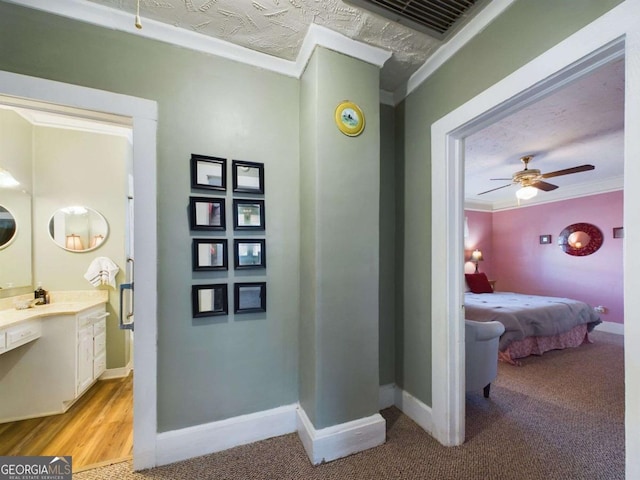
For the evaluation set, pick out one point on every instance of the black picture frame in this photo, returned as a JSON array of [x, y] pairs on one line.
[[248, 214], [207, 213], [618, 232], [545, 239], [209, 300], [248, 177], [250, 297], [209, 173], [209, 254], [249, 253]]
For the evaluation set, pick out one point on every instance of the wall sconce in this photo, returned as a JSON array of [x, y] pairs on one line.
[[74, 242], [476, 256], [7, 180]]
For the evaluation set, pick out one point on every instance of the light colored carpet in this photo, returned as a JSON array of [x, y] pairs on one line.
[[559, 416]]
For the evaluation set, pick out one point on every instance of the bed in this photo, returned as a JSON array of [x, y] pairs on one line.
[[533, 324]]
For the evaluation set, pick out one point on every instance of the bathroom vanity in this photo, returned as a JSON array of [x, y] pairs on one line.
[[50, 354]]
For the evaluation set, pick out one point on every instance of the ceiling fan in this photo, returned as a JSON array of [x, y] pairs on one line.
[[531, 180]]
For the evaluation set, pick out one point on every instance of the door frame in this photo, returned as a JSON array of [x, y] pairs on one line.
[[143, 115], [614, 34]]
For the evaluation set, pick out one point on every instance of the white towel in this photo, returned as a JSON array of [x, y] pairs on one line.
[[102, 271]]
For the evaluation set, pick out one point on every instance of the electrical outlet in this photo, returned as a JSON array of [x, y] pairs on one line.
[[600, 309]]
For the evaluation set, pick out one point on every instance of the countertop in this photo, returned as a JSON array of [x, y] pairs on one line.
[[62, 303]]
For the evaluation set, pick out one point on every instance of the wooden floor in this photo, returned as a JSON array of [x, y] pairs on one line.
[[97, 429]]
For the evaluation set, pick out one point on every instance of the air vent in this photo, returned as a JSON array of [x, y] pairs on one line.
[[433, 17]]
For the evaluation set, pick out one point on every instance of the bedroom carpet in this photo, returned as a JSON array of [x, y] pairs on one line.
[[557, 416]]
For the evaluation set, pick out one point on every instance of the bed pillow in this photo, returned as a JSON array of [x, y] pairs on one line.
[[478, 283]]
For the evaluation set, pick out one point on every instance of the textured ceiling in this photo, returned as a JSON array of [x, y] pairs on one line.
[[582, 123], [278, 27]]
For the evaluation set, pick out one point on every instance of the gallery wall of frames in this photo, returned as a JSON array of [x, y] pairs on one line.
[[213, 251]]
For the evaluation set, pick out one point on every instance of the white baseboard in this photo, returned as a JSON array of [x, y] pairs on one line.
[[341, 440], [611, 327], [415, 410], [213, 437], [387, 396], [120, 372]]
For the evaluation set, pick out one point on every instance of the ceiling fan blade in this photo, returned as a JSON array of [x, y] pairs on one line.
[[567, 171], [505, 179], [494, 189], [547, 187]]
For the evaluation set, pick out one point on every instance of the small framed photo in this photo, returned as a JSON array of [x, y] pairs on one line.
[[248, 214], [545, 239], [250, 297], [618, 232], [208, 172], [207, 213], [209, 300], [209, 254], [248, 177], [249, 253]]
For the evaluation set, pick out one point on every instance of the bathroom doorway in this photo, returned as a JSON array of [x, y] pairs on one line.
[[138, 117]]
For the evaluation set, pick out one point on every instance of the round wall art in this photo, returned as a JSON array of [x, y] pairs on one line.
[[349, 119]]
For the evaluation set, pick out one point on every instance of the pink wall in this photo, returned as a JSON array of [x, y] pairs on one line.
[[480, 227], [520, 263]]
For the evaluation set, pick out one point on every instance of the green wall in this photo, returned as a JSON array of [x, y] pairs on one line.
[[387, 284], [220, 367], [340, 186], [525, 30]]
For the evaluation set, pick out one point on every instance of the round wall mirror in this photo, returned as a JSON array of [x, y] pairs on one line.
[[78, 229], [8, 227], [580, 239]]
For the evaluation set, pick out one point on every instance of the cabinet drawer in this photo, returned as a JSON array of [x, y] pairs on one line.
[[99, 343], [99, 365], [23, 334]]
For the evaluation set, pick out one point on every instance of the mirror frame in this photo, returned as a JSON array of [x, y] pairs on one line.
[[199, 164], [595, 239], [84, 250], [196, 306], [15, 228], [219, 243], [238, 185]]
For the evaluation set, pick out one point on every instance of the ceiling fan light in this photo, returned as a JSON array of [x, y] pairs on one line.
[[526, 193]]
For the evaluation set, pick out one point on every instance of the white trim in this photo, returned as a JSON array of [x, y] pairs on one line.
[[589, 47], [144, 114], [484, 17], [387, 396], [115, 19], [611, 327], [120, 372], [207, 438], [341, 440], [413, 408]]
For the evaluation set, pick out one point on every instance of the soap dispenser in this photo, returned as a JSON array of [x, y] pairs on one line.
[[40, 295]]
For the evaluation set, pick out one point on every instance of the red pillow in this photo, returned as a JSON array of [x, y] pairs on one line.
[[478, 283]]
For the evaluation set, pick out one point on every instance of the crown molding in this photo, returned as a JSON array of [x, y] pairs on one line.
[[41, 118], [113, 19], [484, 17], [565, 193]]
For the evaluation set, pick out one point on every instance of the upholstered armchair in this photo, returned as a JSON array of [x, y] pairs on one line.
[[481, 350]]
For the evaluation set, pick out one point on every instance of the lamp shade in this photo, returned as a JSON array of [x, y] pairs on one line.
[[74, 242], [476, 256]]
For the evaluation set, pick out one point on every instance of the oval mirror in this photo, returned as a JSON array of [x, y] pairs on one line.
[[8, 227], [78, 229], [580, 239]]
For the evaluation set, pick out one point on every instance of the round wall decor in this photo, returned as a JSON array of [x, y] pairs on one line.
[[349, 119]]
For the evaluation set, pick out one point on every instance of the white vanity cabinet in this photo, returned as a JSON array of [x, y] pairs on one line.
[[61, 354], [91, 359]]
